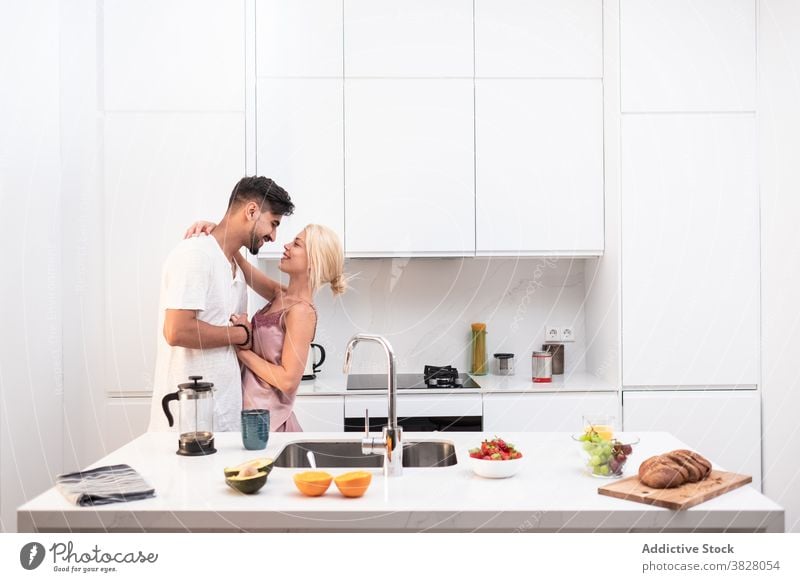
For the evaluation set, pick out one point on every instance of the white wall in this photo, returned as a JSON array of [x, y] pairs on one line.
[[779, 132], [151, 141], [603, 354], [425, 307], [31, 391]]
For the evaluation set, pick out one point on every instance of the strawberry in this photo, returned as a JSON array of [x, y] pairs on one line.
[[495, 449]]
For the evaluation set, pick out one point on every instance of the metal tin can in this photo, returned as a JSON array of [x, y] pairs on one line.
[[504, 364], [542, 366]]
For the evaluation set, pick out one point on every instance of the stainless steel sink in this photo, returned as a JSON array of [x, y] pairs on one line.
[[336, 454]]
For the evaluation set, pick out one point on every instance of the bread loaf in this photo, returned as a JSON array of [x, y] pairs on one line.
[[673, 469]]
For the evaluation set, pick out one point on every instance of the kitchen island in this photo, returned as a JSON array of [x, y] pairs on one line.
[[550, 493]]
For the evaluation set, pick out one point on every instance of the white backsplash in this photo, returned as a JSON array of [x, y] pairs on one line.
[[424, 307]]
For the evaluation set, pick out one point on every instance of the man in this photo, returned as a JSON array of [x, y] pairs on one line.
[[201, 289]]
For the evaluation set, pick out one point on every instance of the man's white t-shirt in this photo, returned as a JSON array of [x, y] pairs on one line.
[[197, 275]]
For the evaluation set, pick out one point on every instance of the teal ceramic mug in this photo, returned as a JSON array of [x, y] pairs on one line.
[[255, 429]]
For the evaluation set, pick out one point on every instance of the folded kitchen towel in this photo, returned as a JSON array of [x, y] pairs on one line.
[[103, 485]]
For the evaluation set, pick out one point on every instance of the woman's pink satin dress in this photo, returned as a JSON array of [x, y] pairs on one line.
[[269, 332]]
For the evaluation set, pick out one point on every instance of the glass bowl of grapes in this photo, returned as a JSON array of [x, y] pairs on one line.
[[604, 452]]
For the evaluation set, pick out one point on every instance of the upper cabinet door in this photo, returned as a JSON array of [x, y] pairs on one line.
[[409, 167], [539, 167], [690, 250], [299, 38], [688, 55], [539, 38], [300, 146], [413, 38], [150, 64]]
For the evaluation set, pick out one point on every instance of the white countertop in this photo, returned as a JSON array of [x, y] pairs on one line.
[[550, 493], [331, 383]]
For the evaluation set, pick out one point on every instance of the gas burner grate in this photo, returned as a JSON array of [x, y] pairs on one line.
[[442, 377]]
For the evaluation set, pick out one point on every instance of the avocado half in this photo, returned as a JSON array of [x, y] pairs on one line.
[[249, 484], [261, 465]]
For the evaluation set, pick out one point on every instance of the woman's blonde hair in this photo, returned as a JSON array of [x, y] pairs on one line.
[[325, 259]]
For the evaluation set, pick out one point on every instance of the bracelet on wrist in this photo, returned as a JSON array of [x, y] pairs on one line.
[[246, 342]]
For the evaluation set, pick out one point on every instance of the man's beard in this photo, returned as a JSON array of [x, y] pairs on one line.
[[254, 246]]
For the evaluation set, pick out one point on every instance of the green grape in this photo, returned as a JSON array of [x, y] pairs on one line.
[[595, 460], [588, 447]]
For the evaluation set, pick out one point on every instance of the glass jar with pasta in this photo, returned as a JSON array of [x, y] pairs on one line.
[[479, 363]]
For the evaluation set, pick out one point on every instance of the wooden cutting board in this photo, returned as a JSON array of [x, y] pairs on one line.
[[683, 497]]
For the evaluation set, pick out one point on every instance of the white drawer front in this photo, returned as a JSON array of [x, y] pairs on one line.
[[413, 405]]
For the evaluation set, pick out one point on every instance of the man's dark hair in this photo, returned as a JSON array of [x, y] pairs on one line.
[[264, 192]]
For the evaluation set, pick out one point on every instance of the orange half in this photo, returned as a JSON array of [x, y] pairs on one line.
[[353, 484], [313, 483]]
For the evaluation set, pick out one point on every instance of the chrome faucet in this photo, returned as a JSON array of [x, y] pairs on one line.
[[390, 444]]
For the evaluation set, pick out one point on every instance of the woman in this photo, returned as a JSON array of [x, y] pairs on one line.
[[284, 329]]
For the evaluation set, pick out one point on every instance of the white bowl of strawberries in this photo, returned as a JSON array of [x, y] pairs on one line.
[[495, 459]]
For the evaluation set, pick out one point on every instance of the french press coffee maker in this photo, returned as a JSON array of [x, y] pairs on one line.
[[195, 416]]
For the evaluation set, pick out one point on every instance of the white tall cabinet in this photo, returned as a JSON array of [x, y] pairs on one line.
[[690, 244], [299, 110], [724, 424], [539, 128], [690, 227], [409, 137], [173, 147], [688, 55]]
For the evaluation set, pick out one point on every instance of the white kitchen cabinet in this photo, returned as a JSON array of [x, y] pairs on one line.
[[320, 413], [724, 425], [161, 172], [299, 38], [173, 55], [413, 38], [539, 167], [539, 38], [690, 250], [545, 412], [409, 160], [300, 145], [414, 405], [688, 55]]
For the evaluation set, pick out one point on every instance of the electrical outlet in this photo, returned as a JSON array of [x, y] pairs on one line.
[[552, 334], [567, 334]]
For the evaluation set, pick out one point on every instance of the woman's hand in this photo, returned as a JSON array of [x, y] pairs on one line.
[[240, 318], [200, 227]]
